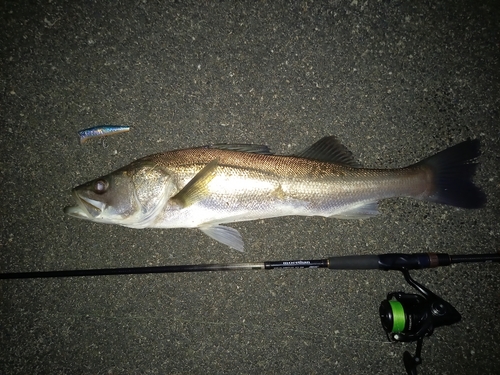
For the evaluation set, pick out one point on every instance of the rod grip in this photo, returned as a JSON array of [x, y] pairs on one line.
[[354, 262], [397, 261], [386, 262]]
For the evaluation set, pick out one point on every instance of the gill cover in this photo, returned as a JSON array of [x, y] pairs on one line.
[[152, 189]]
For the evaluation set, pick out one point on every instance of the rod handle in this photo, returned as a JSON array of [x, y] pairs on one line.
[[386, 262], [354, 262]]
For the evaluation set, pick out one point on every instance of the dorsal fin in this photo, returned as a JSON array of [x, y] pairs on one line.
[[242, 147], [330, 150]]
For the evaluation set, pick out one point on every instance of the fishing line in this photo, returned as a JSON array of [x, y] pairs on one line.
[[405, 317]]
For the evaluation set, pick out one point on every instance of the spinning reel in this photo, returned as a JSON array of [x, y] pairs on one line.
[[410, 317]]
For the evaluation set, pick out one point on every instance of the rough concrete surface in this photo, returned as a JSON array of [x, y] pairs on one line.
[[395, 81]]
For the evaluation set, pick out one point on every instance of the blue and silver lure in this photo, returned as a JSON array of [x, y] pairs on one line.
[[101, 131]]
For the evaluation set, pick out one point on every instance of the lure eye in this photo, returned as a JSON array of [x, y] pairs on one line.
[[100, 187]]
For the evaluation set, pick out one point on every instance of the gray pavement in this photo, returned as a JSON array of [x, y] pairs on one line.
[[395, 81]]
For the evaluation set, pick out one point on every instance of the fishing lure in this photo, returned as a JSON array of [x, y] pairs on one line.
[[101, 131]]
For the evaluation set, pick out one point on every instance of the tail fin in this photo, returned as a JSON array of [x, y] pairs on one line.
[[453, 170]]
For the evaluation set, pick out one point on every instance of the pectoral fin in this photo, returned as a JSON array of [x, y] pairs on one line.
[[196, 189], [226, 235]]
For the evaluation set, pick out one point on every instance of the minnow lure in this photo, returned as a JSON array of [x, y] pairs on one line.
[[101, 131]]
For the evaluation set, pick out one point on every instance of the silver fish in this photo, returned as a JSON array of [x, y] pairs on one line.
[[207, 186]]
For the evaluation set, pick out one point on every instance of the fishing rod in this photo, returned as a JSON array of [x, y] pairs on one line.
[[405, 317], [385, 262]]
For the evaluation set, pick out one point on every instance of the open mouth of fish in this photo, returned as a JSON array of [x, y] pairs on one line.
[[85, 208]]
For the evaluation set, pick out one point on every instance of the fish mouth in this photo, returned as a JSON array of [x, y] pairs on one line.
[[86, 208]]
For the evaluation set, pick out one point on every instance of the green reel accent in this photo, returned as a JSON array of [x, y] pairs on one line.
[[398, 316]]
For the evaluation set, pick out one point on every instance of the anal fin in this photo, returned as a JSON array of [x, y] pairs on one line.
[[364, 211]]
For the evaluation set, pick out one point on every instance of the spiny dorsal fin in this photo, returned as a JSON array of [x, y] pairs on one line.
[[241, 147], [330, 150], [196, 189]]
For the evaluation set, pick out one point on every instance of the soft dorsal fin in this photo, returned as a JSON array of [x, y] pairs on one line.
[[330, 150], [241, 147]]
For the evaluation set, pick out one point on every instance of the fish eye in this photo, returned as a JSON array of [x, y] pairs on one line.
[[100, 186]]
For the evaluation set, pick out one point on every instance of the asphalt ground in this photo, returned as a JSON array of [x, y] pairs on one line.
[[395, 81]]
